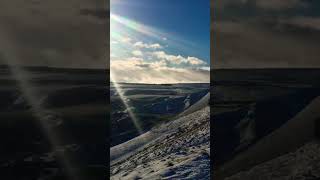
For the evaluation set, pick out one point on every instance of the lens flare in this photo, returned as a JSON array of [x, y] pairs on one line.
[[10, 56], [136, 26], [120, 92], [124, 27]]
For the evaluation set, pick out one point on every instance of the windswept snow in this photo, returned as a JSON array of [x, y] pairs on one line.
[[198, 105], [187, 102], [179, 149]]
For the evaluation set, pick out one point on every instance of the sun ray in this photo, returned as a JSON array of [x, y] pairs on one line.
[[11, 56], [121, 26], [120, 92]]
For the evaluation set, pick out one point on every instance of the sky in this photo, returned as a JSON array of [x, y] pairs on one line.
[[59, 33], [266, 34], [160, 41], [247, 33]]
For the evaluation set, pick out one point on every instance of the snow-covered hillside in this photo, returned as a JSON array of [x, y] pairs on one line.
[[175, 150], [275, 156], [151, 104], [301, 164]]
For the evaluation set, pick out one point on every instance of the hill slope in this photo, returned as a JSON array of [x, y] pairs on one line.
[[177, 149], [278, 144]]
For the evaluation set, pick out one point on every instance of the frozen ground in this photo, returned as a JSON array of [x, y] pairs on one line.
[[152, 104], [179, 149]]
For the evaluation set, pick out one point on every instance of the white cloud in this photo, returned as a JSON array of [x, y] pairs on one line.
[[137, 53], [140, 44], [195, 61], [113, 55], [114, 42], [155, 46], [126, 40], [171, 58], [178, 59], [134, 60], [206, 68], [145, 63], [137, 71]]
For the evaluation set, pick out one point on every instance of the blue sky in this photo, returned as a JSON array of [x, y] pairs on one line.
[[153, 38]]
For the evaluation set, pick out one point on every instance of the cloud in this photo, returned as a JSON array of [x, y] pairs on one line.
[[126, 40], [145, 60], [133, 60], [195, 61], [266, 34], [151, 66], [171, 58], [114, 42], [140, 62], [140, 44], [137, 71], [57, 33], [283, 44], [279, 4], [275, 5], [177, 59], [305, 22], [98, 13], [137, 53]]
